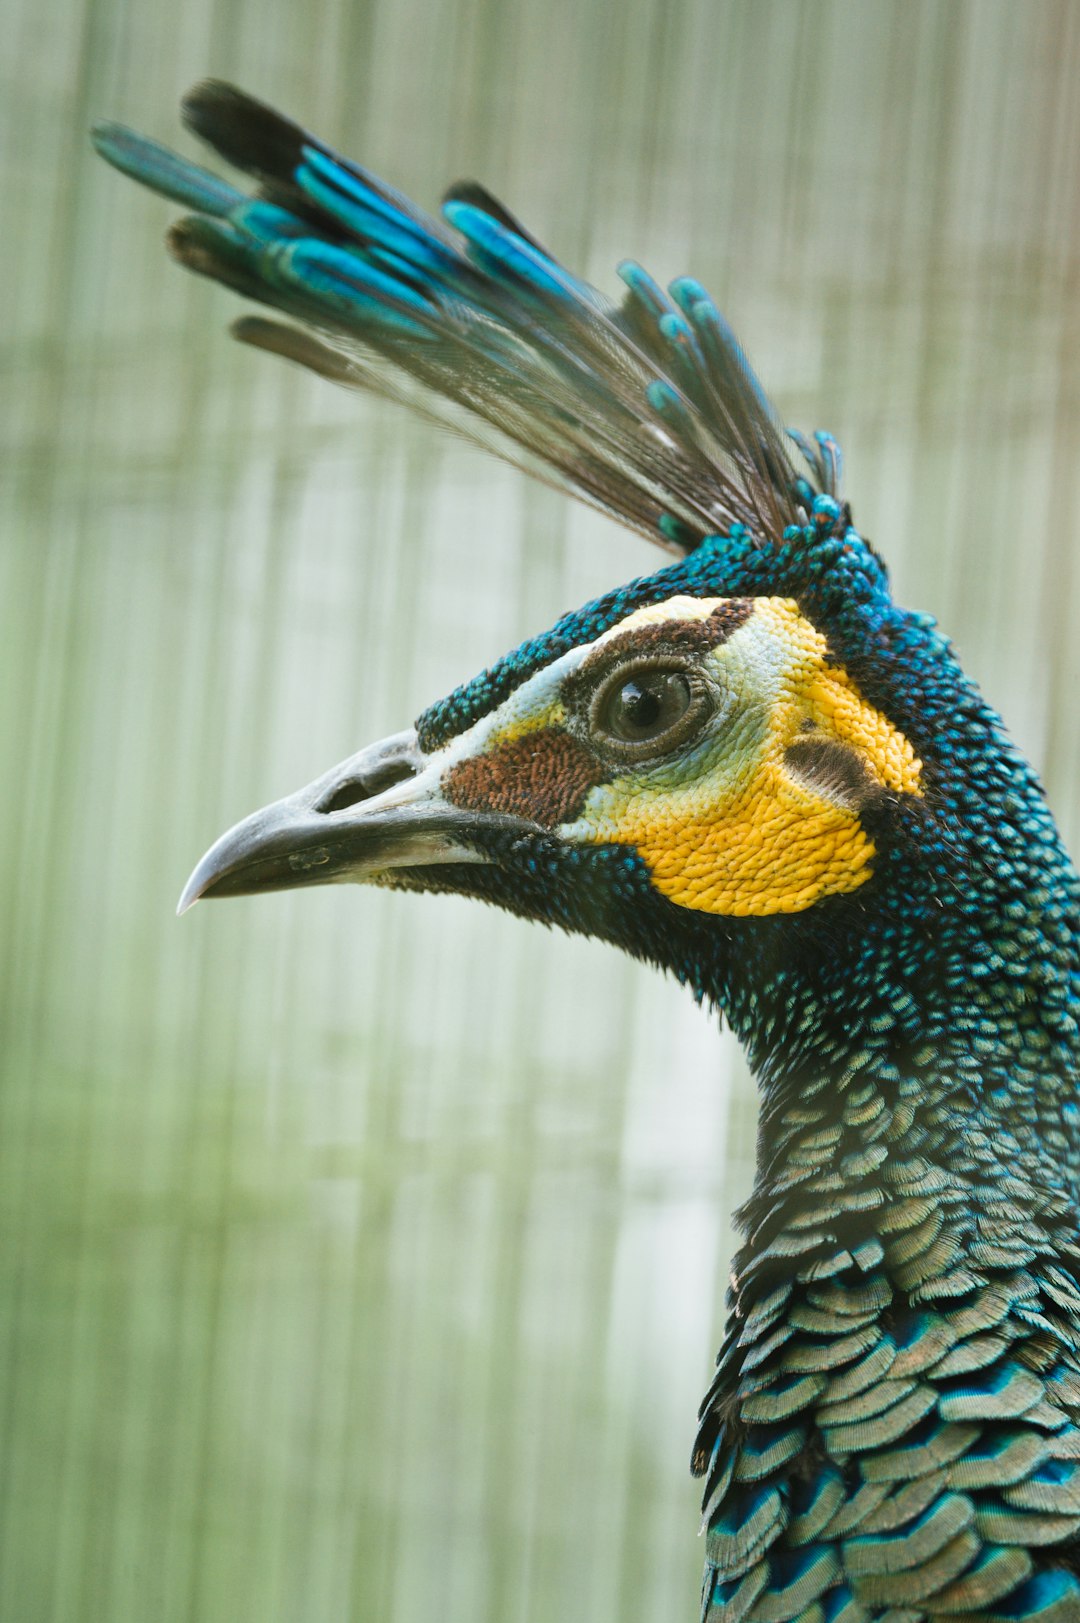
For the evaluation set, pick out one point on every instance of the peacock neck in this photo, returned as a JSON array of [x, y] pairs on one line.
[[897, 1172], [940, 1004], [935, 1081]]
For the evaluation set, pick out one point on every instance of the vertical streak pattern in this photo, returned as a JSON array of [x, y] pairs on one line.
[[362, 1254]]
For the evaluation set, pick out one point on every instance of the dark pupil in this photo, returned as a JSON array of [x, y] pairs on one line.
[[647, 706]]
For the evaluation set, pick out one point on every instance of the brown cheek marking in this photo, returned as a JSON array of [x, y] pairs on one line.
[[832, 768], [542, 776]]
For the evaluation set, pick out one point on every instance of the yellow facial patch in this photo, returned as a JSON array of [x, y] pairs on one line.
[[729, 826]]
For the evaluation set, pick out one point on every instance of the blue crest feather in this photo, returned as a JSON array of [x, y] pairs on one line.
[[648, 410]]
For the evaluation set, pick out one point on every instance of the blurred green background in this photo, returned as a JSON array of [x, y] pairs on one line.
[[362, 1257]]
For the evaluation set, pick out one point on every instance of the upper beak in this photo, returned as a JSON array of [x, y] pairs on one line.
[[378, 810]]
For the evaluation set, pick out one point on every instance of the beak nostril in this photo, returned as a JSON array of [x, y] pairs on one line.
[[346, 794], [373, 782]]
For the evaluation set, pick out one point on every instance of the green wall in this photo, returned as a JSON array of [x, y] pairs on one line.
[[362, 1257]]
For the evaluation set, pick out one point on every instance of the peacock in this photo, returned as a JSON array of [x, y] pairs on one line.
[[756, 771]]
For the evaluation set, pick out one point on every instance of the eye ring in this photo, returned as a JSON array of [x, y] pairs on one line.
[[681, 703]]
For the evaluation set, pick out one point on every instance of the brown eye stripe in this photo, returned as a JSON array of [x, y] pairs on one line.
[[542, 776], [675, 636]]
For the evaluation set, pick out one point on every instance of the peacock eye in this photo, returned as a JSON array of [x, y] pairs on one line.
[[647, 710]]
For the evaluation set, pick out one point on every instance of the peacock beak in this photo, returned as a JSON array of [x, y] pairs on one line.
[[380, 809]]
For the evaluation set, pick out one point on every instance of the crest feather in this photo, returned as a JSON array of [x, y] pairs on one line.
[[647, 409]]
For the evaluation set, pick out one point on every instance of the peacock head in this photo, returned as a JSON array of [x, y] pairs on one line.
[[694, 764]]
